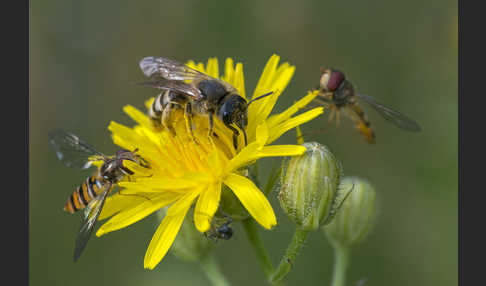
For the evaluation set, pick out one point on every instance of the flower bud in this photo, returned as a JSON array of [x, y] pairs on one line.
[[308, 185], [356, 216], [190, 245]]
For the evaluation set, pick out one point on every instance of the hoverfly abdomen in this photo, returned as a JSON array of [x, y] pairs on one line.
[[85, 193]]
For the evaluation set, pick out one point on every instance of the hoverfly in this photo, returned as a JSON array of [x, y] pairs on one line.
[[92, 193], [339, 93], [204, 95]]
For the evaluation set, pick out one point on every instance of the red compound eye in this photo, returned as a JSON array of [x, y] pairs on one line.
[[335, 80]]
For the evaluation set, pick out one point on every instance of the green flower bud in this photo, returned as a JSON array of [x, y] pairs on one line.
[[356, 216], [308, 186], [190, 245]]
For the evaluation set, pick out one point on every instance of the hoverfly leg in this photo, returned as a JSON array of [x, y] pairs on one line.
[[338, 117], [331, 116]]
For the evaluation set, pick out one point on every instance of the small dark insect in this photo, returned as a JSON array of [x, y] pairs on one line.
[[92, 193], [221, 231], [203, 95], [339, 94]]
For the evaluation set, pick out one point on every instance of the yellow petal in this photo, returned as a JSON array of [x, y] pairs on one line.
[[280, 129], [135, 213], [229, 71], [299, 136], [137, 116], [281, 150], [157, 184], [212, 68], [116, 203], [268, 72], [301, 103], [163, 238], [184, 202], [252, 199], [206, 206], [239, 80]]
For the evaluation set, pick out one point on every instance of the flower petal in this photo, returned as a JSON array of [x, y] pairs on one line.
[[206, 206], [137, 212], [252, 199], [280, 129], [301, 103], [116, 203], [163, 238]]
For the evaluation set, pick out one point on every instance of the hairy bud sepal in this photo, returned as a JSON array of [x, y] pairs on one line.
[[308, 185], [356, 216]]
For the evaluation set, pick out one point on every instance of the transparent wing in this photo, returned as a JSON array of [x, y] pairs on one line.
[[91, 214], [174, 70], [169, 69], [391, 115], [177, 86], [72, 150]]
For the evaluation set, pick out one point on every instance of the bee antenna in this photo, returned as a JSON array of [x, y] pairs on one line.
[[259, 97]]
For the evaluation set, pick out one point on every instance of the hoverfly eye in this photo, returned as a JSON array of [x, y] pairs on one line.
[[335, 79]]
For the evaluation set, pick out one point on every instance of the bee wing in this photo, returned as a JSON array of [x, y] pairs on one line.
[[391, 115], [91, 214], [177, 86], [174, 70], [72, 150], [169, 69]]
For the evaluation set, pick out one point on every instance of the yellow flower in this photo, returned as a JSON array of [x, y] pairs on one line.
[[187, 170]]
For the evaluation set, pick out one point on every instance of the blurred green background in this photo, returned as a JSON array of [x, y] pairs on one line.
[[84, 55]]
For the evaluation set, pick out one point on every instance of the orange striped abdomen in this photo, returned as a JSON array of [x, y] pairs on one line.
[[86, 192], [363, 125]]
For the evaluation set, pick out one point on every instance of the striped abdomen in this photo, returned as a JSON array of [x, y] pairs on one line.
[[89, 189], [363, 124]]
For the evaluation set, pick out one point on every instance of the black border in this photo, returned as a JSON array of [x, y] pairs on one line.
[[472, 109]]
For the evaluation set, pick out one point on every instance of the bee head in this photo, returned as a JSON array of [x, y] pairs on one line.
[[234, 110], [331, 79]]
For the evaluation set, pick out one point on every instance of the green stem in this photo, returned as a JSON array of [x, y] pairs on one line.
[[341, 262], [298, 240], [212, 270], [257, 244]]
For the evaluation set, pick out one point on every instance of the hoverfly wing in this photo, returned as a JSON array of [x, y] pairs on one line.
[[72, 150], [177, 86], [391, 115], [91, 214]]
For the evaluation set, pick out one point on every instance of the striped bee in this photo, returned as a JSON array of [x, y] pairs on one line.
[[92, 193], [339, 94]]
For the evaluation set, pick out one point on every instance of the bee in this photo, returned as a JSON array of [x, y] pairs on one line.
[[204, 95], [339, 93], [221, 229], [92, 193]]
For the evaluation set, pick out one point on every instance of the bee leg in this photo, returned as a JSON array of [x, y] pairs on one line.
[[211, 124], [188, 119], [166, 118], [235, 136]]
